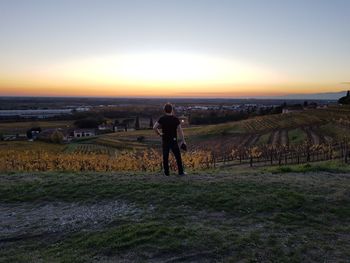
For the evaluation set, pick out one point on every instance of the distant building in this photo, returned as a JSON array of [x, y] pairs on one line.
[[105, 127], [84, 133], [287, 110], [46, 134], [120, 127], [82, 109]]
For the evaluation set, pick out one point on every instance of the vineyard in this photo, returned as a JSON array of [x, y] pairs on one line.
[[88, 148], [281, 139], [149, 160], [263, 124], [96, 158]]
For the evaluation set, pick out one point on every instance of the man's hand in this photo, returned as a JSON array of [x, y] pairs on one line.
[[157, 130], [181, 133]]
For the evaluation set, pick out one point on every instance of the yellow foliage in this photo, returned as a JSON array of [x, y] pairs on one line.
[[148, 160]]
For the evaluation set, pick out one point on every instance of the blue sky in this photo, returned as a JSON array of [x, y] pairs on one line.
[[308, 41]]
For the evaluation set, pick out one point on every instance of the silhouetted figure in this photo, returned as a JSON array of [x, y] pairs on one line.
[[170, 125]]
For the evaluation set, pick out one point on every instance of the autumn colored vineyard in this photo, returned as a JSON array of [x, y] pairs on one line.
[[283, 154], [123, 161], [280, 139], [150, 160]]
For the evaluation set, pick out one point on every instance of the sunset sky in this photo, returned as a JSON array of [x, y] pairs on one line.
[[176, 48]]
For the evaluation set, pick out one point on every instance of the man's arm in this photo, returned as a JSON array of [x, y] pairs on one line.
[[181, 133], [156, 128]]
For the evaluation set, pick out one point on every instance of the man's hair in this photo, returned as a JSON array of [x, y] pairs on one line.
[[168, 108]]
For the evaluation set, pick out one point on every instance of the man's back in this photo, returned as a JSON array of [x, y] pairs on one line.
[[169, 124]]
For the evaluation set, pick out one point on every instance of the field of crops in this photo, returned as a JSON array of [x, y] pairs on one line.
[[280, 121], [297, 136], [316, 126], [89, 148], [31, 146]]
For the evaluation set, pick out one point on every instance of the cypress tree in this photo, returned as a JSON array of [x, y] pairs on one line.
[[137, 123]]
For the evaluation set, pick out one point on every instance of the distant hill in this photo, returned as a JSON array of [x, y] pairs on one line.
[[314, 96]]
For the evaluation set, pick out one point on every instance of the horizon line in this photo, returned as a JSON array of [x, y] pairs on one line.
[[172, 97]]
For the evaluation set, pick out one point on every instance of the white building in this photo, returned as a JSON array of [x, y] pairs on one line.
[[84, 133]]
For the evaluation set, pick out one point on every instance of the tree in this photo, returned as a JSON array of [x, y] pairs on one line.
[[57, 137], [345, 99], [88, 123], [1, 137], [151, 123], [141, 138], [137, 123], [29, 134]]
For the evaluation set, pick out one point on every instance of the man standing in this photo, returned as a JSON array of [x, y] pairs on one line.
[[170, 125]]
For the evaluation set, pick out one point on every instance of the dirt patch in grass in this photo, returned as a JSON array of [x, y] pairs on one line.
[[23, 220]]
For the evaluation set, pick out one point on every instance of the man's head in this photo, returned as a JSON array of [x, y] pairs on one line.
[[168, 108]]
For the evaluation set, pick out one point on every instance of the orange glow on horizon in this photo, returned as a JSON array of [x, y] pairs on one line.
[[133, 91], [155, 75]]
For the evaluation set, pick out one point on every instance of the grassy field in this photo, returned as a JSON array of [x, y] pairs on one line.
[[31, 146], [287, 214], [297, 136]]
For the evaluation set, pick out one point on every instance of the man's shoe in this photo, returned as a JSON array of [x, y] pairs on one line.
[[166, 174]]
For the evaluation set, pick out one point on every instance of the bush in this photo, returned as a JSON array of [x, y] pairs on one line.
[[57, 137], [141, 138], [88, 123]]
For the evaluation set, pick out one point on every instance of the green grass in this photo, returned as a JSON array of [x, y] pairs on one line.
[[334, 131], [285, 214], [296, 136], [328, 166], [263, 139], [143, 236]]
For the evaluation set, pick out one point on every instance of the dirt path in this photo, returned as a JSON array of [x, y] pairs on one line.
[[312, 135], [28, 219], [245, 141], [253, 140], [274, 138], [284, 137]]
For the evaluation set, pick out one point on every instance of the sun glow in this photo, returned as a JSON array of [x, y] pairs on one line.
[[148, 74], [159, 69]]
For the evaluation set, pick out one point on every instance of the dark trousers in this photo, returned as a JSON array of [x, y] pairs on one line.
[[174, 147]]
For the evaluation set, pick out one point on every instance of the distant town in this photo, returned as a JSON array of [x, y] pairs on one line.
[[87, 117]]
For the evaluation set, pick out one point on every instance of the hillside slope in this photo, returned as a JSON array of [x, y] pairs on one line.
[[246, 215]]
